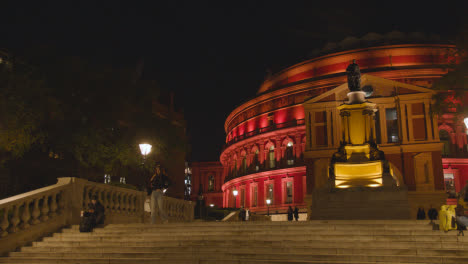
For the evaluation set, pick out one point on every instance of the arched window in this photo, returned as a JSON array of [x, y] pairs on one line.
[[255, 161], [271, 157], [244, 164], [445, 138], [289, 154], [211, 183]]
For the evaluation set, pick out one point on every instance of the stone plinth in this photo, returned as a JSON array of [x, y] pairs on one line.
[[360, 203]]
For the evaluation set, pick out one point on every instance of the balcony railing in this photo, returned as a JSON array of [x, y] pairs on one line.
[[261, 167], [273, 127]]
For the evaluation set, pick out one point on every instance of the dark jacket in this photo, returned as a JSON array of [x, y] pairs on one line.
[[460, 210], [296, 213], [156, 182], [290, 214]]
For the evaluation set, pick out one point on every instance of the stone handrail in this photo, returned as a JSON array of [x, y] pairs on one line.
[[29, 216]]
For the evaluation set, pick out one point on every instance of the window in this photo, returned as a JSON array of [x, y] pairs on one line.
[[445, 138], [210, 183], [321, 128], [289, 192], [244, 165], [269, 192], [254, 196], [449, 181], [271, 157], [392, 125], [289, 154], [255, 161]]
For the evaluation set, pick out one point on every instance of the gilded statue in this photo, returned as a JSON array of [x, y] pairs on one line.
[[354, 77]]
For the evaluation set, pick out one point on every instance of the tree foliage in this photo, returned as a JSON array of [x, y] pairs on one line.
[[453, 87], [94, 114]]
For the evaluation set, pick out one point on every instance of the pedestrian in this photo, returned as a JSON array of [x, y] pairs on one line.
[[290, 213], [93, 216], [247, 214], [296, 213], [432, 214], [242, 214], [421, 215], [156, 188]]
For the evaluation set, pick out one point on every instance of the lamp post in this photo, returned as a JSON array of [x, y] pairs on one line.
[[268, 201], [145, 150], [235, 192]]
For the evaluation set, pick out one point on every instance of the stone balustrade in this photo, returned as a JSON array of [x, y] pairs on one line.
[[29, 216]]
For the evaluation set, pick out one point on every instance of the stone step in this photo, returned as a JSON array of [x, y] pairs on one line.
[[148, 252], [201, 261], [244, 256], [253, 243], [255, 229], [100, 233], [275, 237], [312, 222]]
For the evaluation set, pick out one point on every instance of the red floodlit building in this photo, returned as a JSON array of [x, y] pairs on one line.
[[263, 157], [207, 177]]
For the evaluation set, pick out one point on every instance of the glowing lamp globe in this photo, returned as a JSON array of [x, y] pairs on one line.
[[235, 192], [268, 201], [466, 121], [145, 149]]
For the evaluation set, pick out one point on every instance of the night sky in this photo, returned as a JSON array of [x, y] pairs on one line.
[[213, 55]]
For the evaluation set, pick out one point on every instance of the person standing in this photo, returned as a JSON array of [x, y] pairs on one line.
[[290, 213], [296, 213], [157, 188]]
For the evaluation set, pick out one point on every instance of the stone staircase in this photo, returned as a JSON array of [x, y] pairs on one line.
[[334, 241]]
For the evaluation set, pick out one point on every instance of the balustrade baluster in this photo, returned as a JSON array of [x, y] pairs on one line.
[[61, 202], [53, 205], [45, 209], [127, 204], [131, 203], [111, 201], [35, 212], [123, 203], [25, 216], [116, 202], [5, 223], [14, 221]]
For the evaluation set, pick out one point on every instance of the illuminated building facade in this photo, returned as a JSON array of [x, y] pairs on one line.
[[207, 179], [269, 155]]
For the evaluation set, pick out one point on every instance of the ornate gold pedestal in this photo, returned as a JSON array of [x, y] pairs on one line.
[[358, 161]]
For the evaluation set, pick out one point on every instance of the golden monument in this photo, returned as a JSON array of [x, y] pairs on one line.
[[360, 182], [358, 161]]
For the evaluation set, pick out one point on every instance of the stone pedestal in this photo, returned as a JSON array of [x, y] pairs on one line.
[[360, 203]]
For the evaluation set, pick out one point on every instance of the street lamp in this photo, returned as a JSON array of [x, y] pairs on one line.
[[466, 121], [145, 150], [235, 192], [268, 201]]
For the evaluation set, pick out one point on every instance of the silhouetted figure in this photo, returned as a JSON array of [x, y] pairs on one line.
[[421, 214], [354, 77], [290, 213], [158, 185], [296, 213], [93, 216], [432, 214], [242, 214]]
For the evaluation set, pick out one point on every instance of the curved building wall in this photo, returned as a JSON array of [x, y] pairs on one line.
[[265, 142]]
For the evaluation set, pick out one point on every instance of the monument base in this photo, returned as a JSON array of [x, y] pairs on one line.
[[360, 203]]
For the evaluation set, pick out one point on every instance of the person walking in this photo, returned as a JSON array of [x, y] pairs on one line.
[[290, 213], [296, 213], [157, 187]]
